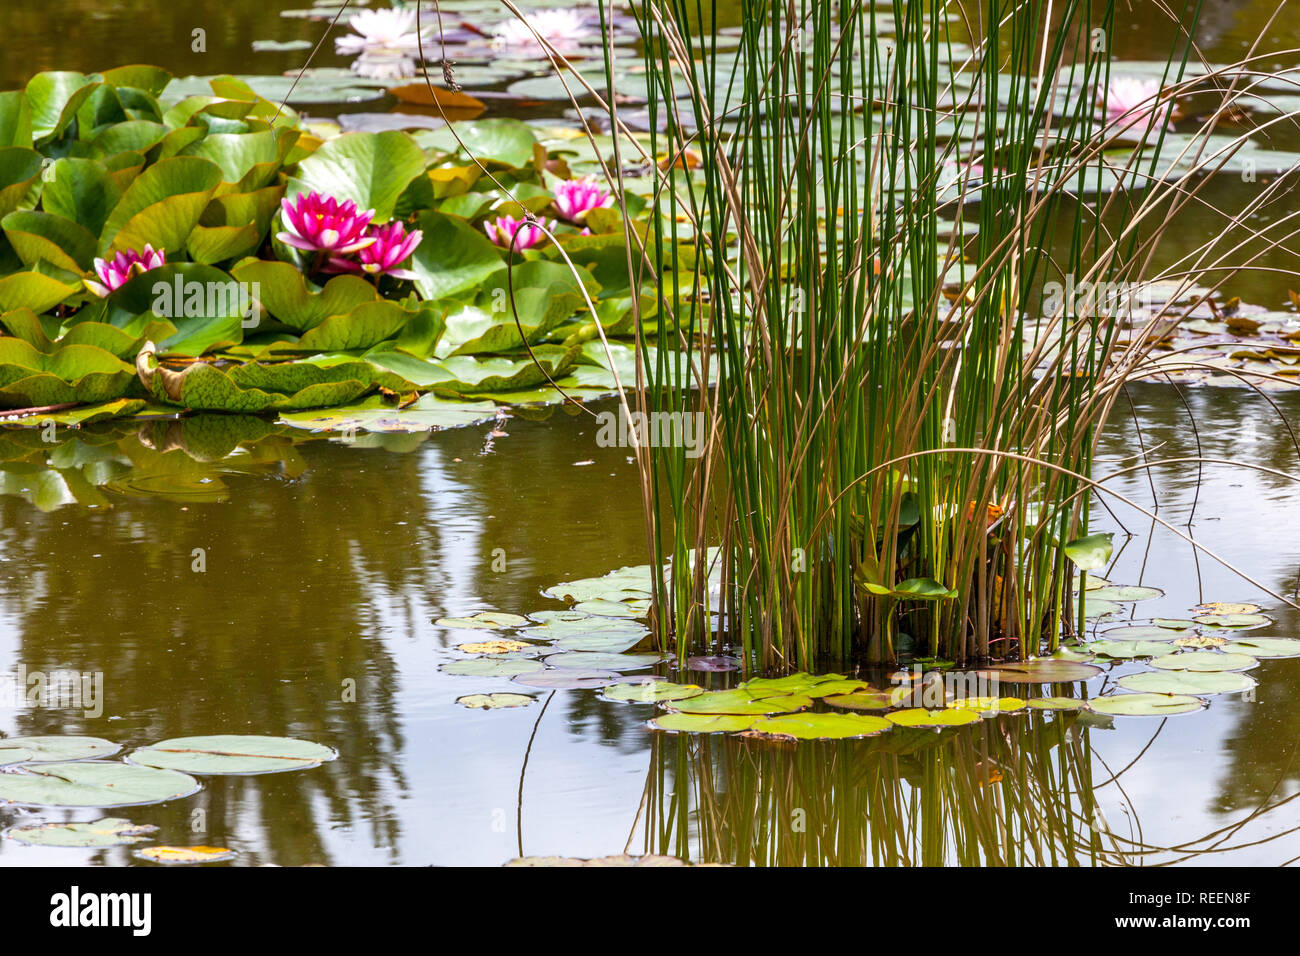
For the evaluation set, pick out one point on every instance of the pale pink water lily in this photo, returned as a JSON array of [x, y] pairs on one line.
[[116, 272], [504, 229], [392, 246], [316, 223], [1130, 102], [562, 29], [574, 198], [381, 29]]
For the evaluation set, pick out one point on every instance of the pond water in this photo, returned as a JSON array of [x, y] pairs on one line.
[[236, 578]]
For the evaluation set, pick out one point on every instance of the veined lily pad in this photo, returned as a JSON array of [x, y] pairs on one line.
[[92, 783], [51, 748], [1043, 670], [870, 699], [1188, 682], [1173, 623], [1206, 661], [241, 754], [569, 679], [604, 626], [184, 855], [486, 620], [566, 617], [488, 667], [739, 701], [1267, 647], [800, 683], [1122, 593], [651, 691], [1236, 621], [1130, 649], [988, 706], [1057, 703], [494, 701], [819, 726], [1074, 652], [1095, 607], [599, 661], [838, 687], [614, 642], [1141, 632], [110, 831], [604, 608], [703, 723], [1146, 705], [920, 717]]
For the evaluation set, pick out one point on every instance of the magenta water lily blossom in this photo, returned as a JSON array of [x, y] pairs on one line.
[[316, 223], [574, 198], [114, 273], [392, 246], [503, 230]]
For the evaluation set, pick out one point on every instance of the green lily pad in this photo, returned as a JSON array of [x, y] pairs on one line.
[[833, 688], [1094, 607], [1146, 705], [371, 169], [1056, 703], [920, 717], [1188, 682], [490, 667], [703, 723], [989, 706], [1090, 552], [565, 679], [651, 691], [93, 783], [1122, 650], [1236, 621], [377, 414], [1042, 670], [484, 620], [740, 701], [241, 754], [1206, 661], [564, 617], [609, 642], [603, 608], [1123, 593], [1140, 632], [110, 831], [1173, 623], [495, 701], [600, 661], [869, 699], [1197, 640], [1074, 652], [54, 748], [819, 726], [1265, 647]]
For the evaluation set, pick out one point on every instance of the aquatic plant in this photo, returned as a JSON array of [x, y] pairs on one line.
[[384, 41], [391, 246], [316, 223], [509, 232], [533, 31], [574, 198], [114, 273]]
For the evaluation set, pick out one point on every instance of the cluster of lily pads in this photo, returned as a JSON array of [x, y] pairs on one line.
[[77, 772], [164, 247]]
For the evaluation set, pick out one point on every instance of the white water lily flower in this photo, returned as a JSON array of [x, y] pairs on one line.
[[389, 31], [561, 28]]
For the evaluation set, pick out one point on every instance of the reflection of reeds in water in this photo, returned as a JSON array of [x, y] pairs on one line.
[[1009, 792]]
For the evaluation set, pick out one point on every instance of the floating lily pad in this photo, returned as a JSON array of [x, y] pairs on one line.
[[485, 620], [1226, 607], [110, 831], [739, 701], [241, 754], [1173, 623], [92, 783], [1057, 703], [567, 616], [988, 706], [1235, 621], [495, 647], [1122, 650], [1206, 661], [1267, 647], [614, 642], [819, 726], [1043, 670], [185, 855], [603, 608], [1140, 632], [920, 717], [600, 661], [715, 664], [800, 683], [51, 748], [1074, 652], [651, 691], [488, 667], [869, 700], [1200, 641], [1187, 682], [1096, 608], [1123, 593], [569, 679], [608, 626], [496, 701], [703, 723], [837, 687], [1146, 705]]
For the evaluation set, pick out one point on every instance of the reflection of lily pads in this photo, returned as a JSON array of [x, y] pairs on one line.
[[494, 701], [51, 748], [185, 855], [110, 831], [651, 691], [739, 701], [1187, 682], [1146, 705], [703, 723], [1268, 647], [488, 667], [920, 717], [1206, 661], [1043, 670], [819, 726], [1236, 621], [93, 783], [233, 754], [487, 620]]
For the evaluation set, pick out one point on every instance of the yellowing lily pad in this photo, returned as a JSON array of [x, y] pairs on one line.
[[703, 723], [1226, 607], [989, 706], [1197, 640], [819, 726], [184, 855], [494, 647], [1146, 705], [1057, 703], [920, 717], [495, 701]]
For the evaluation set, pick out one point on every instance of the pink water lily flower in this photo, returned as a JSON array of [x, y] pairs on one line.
[[562, 29], [316, 223], [574, 198], [1131, 101], [116, 272], [505, 228], [393, 245]]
